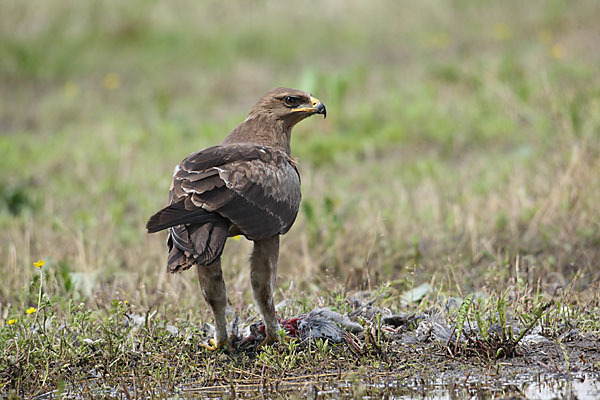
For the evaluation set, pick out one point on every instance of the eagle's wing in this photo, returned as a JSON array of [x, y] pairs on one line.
[[255, 188]]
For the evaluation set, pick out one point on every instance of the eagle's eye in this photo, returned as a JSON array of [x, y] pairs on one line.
[[291, 101]]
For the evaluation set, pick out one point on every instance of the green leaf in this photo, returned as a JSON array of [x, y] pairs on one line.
[[501, 308], [463, 311], [481, 326]]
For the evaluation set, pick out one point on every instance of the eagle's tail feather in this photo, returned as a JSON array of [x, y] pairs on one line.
[[177, 214], [196, 244]]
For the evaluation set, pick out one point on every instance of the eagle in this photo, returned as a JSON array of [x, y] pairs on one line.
[[248, 185]]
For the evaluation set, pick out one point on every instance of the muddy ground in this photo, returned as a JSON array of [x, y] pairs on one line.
[[570, 369]]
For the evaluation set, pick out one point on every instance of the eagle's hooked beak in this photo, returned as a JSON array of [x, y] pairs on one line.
[[317, 107]]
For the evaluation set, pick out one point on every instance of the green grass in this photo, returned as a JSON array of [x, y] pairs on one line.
[[461, 148]]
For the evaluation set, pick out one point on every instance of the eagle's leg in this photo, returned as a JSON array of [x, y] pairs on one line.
[[213, 290], [263, 273]]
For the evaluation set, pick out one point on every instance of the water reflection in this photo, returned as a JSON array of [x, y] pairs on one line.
[[581, 388]]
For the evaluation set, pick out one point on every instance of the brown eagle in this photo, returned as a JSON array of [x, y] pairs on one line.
[[247, 185]]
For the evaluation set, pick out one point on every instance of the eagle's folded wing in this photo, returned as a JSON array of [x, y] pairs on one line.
[[255, 188]]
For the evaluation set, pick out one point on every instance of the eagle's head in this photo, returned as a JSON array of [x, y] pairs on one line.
[[289, 105]]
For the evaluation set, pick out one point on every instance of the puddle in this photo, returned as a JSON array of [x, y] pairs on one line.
[[391, 387], [545, 387], [521, 387], [581, 389]]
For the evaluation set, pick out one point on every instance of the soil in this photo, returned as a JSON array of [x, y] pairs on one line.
[[570, 369]]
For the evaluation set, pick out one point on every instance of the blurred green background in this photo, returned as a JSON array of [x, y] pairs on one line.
[[461, 136]]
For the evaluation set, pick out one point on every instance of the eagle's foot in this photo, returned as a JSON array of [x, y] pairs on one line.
[[214, 346], [270, 339]]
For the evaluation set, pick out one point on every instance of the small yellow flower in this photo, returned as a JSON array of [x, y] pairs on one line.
[[557, 51], [111, 81], [39, 264], [30, 310], [11, 321], [125, 301]]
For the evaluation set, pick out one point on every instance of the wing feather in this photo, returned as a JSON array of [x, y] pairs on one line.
[[256, 189], [202, 185]]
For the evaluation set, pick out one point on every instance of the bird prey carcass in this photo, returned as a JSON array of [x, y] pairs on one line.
[[248, 185]]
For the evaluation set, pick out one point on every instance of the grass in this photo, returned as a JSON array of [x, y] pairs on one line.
[[68, 346], [461, 149]]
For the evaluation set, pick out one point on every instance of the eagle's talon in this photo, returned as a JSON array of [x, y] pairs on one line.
[[270, 339], [214, 346]]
